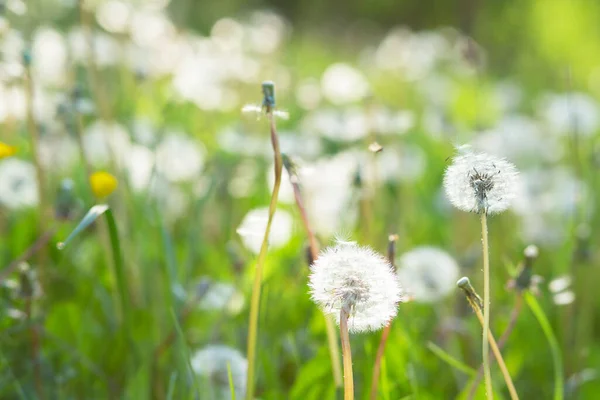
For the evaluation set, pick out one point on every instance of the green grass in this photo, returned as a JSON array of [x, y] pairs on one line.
[[126, 276]]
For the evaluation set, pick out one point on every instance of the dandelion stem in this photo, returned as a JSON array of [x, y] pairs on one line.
[[476, 304], [514, 315], [501, 364], [386, 331], [256, 287], [334, 351], [486, 307], [347, 355]]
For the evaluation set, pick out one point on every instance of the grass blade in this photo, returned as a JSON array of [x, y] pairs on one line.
[[120, 274], [552, 342], [171, 388], [185, 353], [452, 361], [230, 378]]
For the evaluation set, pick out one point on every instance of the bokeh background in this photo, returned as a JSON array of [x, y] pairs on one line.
[[151, 91]]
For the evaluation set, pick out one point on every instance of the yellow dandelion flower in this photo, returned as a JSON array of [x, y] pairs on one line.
[[6, 150], [103, 183]]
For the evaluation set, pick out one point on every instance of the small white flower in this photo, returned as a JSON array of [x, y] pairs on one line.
[[211, 362], [480, 183], [18, 184], [353, 277], [428, 273]]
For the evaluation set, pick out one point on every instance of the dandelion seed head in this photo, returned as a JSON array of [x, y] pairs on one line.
[[358, 279], [211, 362], [564, 298], [253, 226], [428, 273], [18, 184], [560, 283], [222, 297], [480, 183]]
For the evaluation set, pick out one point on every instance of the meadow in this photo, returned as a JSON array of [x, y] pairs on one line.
[[168, 196]]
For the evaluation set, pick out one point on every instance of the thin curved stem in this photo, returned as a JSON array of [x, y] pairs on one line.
[[377, 367], [509, 383], [514, 315], [257, 286], [486, 308], [346, 355]]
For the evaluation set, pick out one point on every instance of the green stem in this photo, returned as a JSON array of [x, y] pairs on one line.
[[257, 286], [501, 342], [498, 354], [346, 355], [554, 347], [486, 307]]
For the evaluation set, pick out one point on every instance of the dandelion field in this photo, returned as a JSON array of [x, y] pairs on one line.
[[135, 194]]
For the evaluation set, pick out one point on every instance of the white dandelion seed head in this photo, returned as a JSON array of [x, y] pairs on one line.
[[427, 273], [179, 158], [211, 363], [348, 275], [253, 226], [478, 182], [18, 184], [223, 297]]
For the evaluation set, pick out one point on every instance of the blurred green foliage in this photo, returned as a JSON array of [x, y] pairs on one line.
[[90, 348]]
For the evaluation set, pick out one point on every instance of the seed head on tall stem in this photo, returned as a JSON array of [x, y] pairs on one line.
[[359, 288], [483, 184]]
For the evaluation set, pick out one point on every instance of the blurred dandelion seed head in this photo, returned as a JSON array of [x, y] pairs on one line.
[[179, 158], [358, 279], [253, 226], [212, 362], [18, 184], [480, 183], [223, 297], [427, 273]]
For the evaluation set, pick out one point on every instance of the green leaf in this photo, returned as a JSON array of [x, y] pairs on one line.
[[91, 216]]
